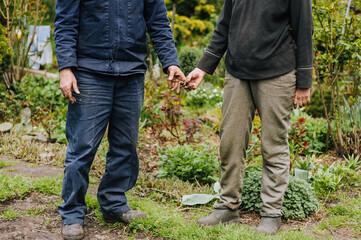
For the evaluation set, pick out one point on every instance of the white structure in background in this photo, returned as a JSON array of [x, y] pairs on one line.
[[41, 52]]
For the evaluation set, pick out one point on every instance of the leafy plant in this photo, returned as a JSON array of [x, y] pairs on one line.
[[207, 95], [314, 131], [189, 164], [326, 179], [351, 125], [297, 142], [299, 199], [5, 51], [171, 122], [307, 163], [251, 192], [45, 101], [199, 199], [337, 63], [19, 15], [317, 135], [353, 162]]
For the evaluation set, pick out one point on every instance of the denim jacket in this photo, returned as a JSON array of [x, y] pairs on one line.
[[109, 36]]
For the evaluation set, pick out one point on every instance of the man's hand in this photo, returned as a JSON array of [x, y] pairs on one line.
[[176, 76], [302, 97], [68, 82], [194, 79]]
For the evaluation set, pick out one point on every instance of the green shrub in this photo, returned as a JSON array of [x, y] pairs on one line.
[[328, 179], [353, 162], [315, 108], [299, 200], [188, 164], [188, 58], [5, 52], [251, 198], [45, 101], [316, 135], [315, 132]]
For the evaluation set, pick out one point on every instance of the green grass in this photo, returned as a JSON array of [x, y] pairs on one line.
[[3, 164], [29, 151], [19, 186], [166, 222], [9, 214], [48, 185], [347, 213], [33, 212], [14, 187], [161, 198]]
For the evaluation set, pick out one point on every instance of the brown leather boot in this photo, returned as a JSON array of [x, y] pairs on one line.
[[126, 217], [269, 225], [225, 216], [73, 232]]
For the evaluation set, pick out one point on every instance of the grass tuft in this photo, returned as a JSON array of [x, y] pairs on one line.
[[10, 214]]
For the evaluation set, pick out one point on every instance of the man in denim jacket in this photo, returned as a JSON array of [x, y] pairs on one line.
[[101, 48]]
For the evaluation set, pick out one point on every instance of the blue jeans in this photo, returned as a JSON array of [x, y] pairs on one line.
[[103, 100]]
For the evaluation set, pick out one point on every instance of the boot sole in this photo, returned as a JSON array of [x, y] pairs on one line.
[[73, 237]]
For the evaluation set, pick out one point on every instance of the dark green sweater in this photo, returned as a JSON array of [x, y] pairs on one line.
[[263, 39]]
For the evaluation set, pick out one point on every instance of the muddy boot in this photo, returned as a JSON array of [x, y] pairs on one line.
[[269, 225], [225, 216], [126, 217], [73, 231]]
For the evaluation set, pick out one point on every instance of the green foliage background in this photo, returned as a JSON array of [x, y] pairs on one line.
[[5, 51]]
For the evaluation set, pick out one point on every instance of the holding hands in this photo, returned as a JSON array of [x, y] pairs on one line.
[[176, 77], [194, 79], [178, 80]]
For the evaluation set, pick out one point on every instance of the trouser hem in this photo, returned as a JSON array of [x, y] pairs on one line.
[[117, 213], [73, 221], [225, 206]]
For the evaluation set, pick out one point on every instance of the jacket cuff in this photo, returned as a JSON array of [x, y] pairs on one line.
[[304, 78], [69, 64], [209, 62], [168, 64]]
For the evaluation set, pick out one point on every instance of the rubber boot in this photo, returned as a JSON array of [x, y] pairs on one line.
[[73, 232], [126, 217], [269, 225], [224, 216]]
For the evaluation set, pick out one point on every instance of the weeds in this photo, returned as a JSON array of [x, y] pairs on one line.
[[10, 214], [33, 211]]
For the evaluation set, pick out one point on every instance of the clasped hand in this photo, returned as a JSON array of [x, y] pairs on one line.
[[191, 82], [178, 80]]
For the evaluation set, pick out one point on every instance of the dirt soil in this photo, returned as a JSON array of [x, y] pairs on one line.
[[47, 225]]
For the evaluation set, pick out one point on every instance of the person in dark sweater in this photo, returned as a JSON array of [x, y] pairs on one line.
[[269, 67], [101, 48]]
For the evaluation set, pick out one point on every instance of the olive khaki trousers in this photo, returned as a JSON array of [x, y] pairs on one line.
[[273, 98]]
